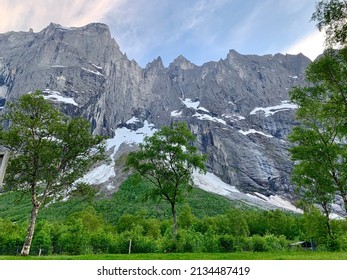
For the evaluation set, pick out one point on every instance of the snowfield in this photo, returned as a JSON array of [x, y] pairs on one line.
[[211, 183], [208, 182], [57, 96], [269, 111], [251, 131], [105, 172]]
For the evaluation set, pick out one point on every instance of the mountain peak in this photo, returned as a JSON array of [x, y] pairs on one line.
[[158, 62], [183, 63], [96, 26]]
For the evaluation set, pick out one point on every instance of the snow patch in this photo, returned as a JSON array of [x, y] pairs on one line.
[[61, 78], [176, 113], [93, 72], [250, 131], [133, 120], [103, 173], [269, 111], [96, 66], [208, 118], [57, 96], [190, 104], [211, 183], [276, 201], [203, 109], [100, 174], [125, 135], [234, 117]]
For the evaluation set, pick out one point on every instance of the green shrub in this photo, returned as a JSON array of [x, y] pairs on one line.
[[144, 244], [167, 245], [12, 236], [102, 242], [211, 242], [274, 243], [342, 242], [189, 241], [226, 243], [42, 241], [258, 244], [74, 240]]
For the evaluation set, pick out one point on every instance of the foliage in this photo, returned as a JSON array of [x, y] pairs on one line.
[[167, 160], [87, 232], [49, 152], [320, 150], [75, 227], [320, 153], [331, 16]]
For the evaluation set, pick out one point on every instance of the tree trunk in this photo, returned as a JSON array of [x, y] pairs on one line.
[[327, 220], [30, 233], [344, 198], [174, 216]]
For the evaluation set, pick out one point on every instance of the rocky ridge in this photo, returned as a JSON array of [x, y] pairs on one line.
[[238, 107]]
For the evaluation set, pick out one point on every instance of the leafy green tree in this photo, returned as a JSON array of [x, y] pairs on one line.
[[320, 151], [186, 217], [49, 152], [167, 160], [331, 16]]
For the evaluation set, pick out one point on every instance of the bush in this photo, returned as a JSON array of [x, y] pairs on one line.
[[102, 242], [167, 245], [274, 243], [73, 240], [243, 243], [12, 237], [144, 244], [42, 241], [211, 242], [258, 244], [342, 242], [226, 243], [120, 244]]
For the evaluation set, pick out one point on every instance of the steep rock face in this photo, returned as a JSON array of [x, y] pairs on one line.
[[238, 107]]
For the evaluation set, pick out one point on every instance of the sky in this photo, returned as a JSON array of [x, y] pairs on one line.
[[200, 30]]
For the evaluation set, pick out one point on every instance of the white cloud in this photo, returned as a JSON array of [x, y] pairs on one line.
[[311, 45], [18, 15]]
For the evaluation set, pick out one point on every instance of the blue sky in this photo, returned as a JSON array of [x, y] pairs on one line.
[[200, 30]]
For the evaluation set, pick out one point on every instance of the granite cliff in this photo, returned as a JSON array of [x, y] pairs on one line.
[[238, 107]]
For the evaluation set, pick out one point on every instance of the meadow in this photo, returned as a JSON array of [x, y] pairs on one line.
[[303, 255]]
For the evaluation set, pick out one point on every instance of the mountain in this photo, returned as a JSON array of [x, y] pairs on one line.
[[238, 107]]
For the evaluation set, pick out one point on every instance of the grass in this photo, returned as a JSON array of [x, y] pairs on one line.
[[301, 255]]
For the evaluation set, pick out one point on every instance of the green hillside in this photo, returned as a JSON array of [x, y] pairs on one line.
[[207, 223], [130, 199]]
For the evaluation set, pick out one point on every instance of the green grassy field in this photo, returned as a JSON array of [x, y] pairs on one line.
[[302, 255]]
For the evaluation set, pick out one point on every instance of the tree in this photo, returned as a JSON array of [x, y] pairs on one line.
[[49, 152], [166, 161], [331, 17], [320, 151]]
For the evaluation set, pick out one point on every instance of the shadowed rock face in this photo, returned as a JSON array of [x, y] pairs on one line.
[[237, 107]]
